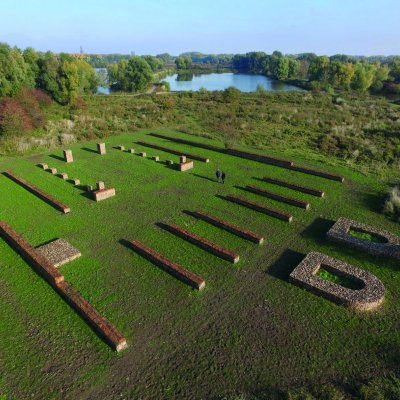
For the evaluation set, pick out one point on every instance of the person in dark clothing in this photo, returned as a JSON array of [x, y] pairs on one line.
[[223, 177], [218, 174]]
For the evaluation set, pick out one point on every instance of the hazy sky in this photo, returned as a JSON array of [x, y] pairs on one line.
[[211, 26]]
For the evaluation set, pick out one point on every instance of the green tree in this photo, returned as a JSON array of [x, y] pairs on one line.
[[180, 62], [58, 76], [132, 76], [87, 78], [363, 77], [318, 70], [281, 71], [31, 58], [381, 75], [395, 69], [183, 62], [340, 75], [156, 64], [14, 71], [294, 68]]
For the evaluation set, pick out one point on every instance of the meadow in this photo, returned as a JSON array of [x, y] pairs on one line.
[[248, 331]]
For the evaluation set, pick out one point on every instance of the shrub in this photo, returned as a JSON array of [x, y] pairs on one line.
[[78, 104], [28, 100], [43, 99], [165, 86], [231, 94], [14, 119], [392, 204]]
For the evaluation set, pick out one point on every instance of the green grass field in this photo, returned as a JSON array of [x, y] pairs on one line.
[[249, 330]]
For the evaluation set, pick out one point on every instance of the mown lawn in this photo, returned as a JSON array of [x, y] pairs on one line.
[[250, 329]]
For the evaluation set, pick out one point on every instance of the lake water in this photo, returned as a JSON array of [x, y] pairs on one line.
[[243, 82]]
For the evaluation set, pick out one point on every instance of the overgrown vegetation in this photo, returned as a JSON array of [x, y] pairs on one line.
[[392, 204], [22, 113], [355, 130]]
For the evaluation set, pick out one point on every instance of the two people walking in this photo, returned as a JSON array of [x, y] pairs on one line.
[[220, 174]]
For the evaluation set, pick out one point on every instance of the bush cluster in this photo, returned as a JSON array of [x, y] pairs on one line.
[[392, 204], [23, 112]]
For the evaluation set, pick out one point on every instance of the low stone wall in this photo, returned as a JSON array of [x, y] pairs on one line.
[[171, 151], [278, 197], [369, 297], [169, 266], [103, 194], [30, 255], [236, 230], [203, 243], [253, 156], [340, 233], [316, 172], [38, 192], [100, 324], [260, 208], [303, 189], [232, 152]]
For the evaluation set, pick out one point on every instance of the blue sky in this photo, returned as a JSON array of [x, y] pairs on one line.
[[363, 27]]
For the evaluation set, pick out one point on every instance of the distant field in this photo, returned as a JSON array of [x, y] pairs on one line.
[[248, 330]]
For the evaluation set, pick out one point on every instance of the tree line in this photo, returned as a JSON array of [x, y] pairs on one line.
[[62, 76], [340, 71]]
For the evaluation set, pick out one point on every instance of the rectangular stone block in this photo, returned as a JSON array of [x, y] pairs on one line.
[[43, 166], [38, 192], [169, 266], [120, 147], [131, 151], [142, 154], [58, 252], [100, 185], [182, 159], [64, 176], [68, 156], [53, 171], [185, 166], [155, 158], [203, 243], [103, 194], [101, 148], [88, 188], [76, 182], [170, 162]]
